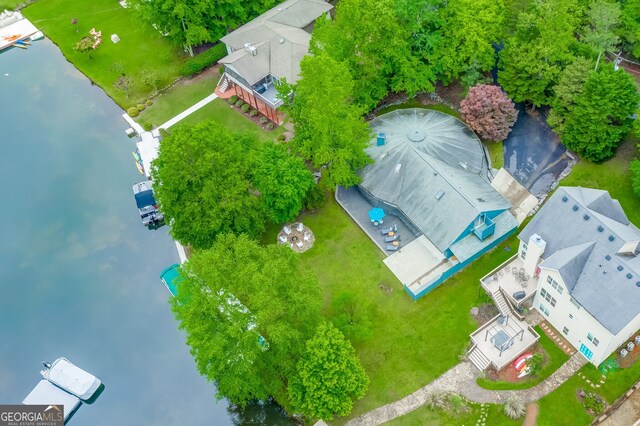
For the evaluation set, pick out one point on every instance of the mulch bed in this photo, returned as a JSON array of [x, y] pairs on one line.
[[485, 313], [630, 359], [256, 118], [509, 373]]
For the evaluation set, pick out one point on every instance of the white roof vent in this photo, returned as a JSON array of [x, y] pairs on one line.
[[464, 165], [384, 155], [397, 169], [439, 195], [281, 41], [250, 48]]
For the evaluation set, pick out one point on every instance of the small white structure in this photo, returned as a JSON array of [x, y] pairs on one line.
[[114, 38], [71, 378], [46, 393]]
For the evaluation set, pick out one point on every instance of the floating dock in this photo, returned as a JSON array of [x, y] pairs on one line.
[[46, 393], [14, 29]]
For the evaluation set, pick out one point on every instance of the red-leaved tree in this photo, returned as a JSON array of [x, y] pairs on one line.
[[488, 112]]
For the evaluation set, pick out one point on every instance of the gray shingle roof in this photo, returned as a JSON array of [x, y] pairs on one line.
[[584, 229], [410, 173], [280, 40]]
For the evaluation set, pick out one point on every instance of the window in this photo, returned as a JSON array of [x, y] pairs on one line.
[[543, 292], [560, 289], [557, 287], [523, 255], [544, 310], [565, 330], [553, 302], [575, 303], [547, 297], [549, 279], [590, 337], [524, 247], [570, 316], [595, 342]]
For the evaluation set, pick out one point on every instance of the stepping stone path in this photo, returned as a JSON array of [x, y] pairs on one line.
[[557, 338]]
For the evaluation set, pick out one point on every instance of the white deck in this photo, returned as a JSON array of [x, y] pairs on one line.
[[22, 28], [523, 338], [46, 393], [418, 264], [503, 277], [148, 148]]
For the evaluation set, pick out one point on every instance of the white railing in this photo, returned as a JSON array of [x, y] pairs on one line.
[[502, 265]]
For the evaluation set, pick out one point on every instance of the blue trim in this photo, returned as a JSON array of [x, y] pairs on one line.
[[451, 271]]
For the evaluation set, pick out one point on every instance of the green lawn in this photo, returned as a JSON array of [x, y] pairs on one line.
[[612, 175], [414, 103], [179, 97], [220, 111], [554, 358], [11, 4], [413, 342], [141, 48], [496, 154], [426, 416]]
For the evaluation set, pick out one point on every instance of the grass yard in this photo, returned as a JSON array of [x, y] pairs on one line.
[[141, 48], [219, 110], [12, 4], [554, 358], [412, 343], [179, 97], [414, 103], [612, 175], [496, 154], [426, 416]]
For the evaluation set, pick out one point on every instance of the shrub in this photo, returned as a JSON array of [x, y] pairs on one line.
[[281, 138], [534, 365], [314, 198], [149, 102], [239, 103], [634, 169], [221, 69], [147, 126], [436, 400], [203, 60], [141, 107], [245, 108], [593, 402], [269, 126], [457, 404], [233, 99], [133, 112], [514, 408], [263, 120], [253, 112], [489, 112]]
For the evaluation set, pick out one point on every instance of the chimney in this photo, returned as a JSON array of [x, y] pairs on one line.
[[535, 250]]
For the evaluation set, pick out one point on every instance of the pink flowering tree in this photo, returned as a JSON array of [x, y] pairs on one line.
[[489, 112], [89, 43]]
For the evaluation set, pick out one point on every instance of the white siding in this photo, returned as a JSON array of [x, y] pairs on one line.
[[580, 325], [625, 335]]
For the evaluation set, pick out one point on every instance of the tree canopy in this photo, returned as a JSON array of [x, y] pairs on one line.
[[329, 376], [599, 33], [193, 22], [631, 26], [541, 47], [283, 182], [465, 48], [247, 311], [370, 39], [329, 129], [202, 183], [488, 112], [570, 85], [601, 117]]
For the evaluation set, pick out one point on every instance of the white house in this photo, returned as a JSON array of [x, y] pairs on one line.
[[583, 252]]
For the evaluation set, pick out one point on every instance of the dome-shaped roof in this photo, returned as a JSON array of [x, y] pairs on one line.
[[434, 133]]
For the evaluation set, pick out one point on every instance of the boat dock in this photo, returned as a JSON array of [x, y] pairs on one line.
[[16, 30], [46, 393]]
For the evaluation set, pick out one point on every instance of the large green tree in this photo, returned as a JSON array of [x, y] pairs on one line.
[[423, 20], [470, 29], [247, 311], [193, 22], [329, 129], [601, 117], [283, 181], [329, 377], [631, 26], [541, 47], [570, 85], [370, 38], [599, 33], [202, 183]]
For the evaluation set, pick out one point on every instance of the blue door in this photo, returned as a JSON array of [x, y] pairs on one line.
[[585, 351]]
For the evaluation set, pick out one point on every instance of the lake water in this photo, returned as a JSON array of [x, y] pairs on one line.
[[79, 272]]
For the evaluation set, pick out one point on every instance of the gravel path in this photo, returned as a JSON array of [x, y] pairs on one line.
[[461, 380]]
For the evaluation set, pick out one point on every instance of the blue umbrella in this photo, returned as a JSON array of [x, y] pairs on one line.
[[376, 214]]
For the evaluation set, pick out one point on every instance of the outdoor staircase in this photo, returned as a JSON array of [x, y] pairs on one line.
[[501, 303], [224, 86], [478, 359]]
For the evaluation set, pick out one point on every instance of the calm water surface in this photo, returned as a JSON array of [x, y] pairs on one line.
[[79, 273]]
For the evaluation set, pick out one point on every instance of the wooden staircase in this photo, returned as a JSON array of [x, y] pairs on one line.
[[478, 359]]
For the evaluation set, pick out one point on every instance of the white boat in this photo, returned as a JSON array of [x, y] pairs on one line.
[[71, 378], [37, 36]]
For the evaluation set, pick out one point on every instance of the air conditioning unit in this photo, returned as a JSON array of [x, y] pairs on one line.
[[624, 353]]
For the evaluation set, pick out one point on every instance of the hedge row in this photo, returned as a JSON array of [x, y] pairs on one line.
[[203, 60]]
